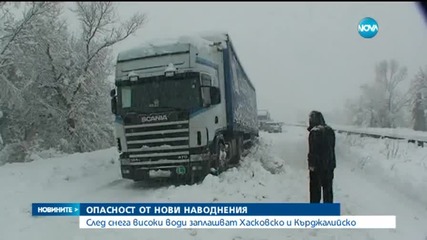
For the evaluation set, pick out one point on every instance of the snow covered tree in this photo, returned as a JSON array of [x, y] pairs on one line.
[[418, 114], [356, 114], [88, 106], [16, 94], [382, 103], [389, 76], [55, 89], [419, 100]]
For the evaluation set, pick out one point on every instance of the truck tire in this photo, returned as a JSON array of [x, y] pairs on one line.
[[219, 159]]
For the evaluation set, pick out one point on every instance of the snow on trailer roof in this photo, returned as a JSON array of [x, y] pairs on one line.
[[215, 36], [202, 41]]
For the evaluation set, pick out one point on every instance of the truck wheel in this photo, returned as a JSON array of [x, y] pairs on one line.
[[219, 161]]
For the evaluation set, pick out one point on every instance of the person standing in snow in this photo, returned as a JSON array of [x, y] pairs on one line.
[[321, 158]]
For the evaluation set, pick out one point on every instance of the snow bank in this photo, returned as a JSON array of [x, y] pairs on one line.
[[18, 152], [396, 162]]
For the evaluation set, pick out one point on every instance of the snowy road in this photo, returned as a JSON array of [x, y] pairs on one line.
[[274, 172]]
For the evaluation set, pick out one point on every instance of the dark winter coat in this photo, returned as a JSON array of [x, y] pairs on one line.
[[321, 141]]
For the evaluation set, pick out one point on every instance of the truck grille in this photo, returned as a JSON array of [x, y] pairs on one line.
[[155, 141]]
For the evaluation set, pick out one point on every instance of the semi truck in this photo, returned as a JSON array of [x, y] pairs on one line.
[[183, 109]]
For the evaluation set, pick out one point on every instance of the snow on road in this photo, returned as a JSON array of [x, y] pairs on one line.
[[276, 171]]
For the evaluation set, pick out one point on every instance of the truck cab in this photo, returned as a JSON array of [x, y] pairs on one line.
[[175, 109]]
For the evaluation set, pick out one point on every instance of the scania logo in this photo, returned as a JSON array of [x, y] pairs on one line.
[[154, 118]]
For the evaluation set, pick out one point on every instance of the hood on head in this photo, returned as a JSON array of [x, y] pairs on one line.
[[315, 119]]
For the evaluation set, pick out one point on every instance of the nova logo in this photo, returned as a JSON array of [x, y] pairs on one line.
[[154, 118], [368, 27]]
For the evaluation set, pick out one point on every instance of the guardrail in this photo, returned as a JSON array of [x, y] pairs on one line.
[[411, 139]]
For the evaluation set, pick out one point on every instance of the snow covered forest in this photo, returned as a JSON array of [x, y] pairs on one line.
[[54, 83], [392, 100]]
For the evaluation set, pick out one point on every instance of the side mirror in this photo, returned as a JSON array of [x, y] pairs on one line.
[[113, 93], [215, 95], [114, 105]]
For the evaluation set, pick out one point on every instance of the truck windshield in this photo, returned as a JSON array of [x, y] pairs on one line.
[[160, 94]]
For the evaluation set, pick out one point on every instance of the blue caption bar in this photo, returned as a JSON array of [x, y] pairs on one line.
[[56, 209], [185, 209]]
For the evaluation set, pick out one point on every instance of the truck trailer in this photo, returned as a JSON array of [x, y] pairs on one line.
[[183, 109]]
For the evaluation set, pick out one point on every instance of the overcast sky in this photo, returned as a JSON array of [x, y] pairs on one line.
[[300, 56]]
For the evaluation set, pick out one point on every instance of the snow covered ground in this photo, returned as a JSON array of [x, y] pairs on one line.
[[371, 178]]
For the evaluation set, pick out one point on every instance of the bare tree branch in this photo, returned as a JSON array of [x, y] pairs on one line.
[[105, 10], [96, 17], [37, 9]]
